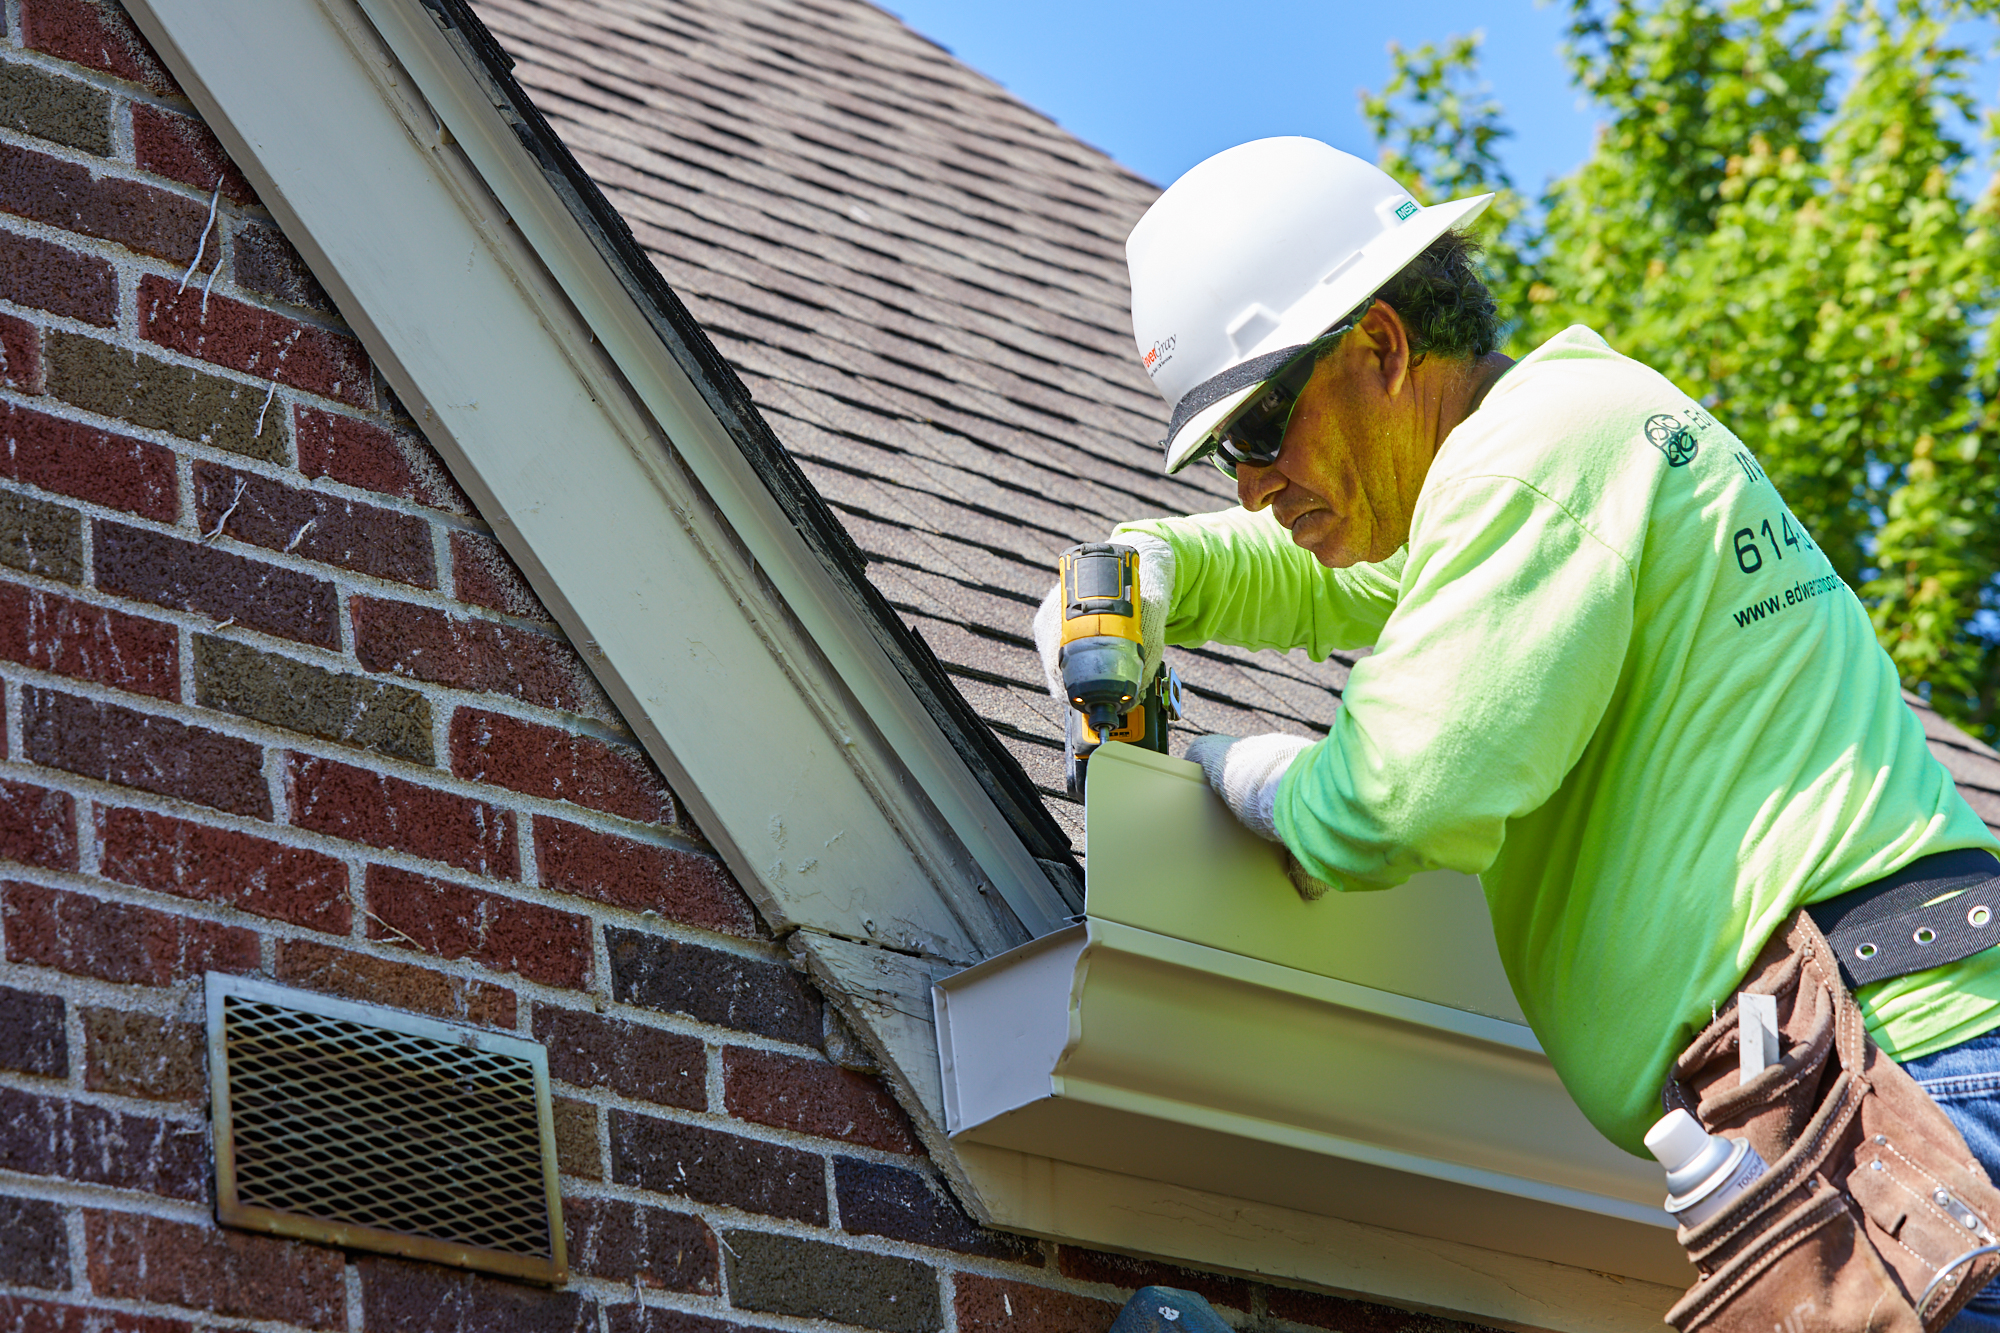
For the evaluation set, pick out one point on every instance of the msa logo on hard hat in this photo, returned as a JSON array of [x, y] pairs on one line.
[[1158, 355], [1406, 210]]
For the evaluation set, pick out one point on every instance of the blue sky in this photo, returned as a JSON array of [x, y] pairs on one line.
[[1162, 84]]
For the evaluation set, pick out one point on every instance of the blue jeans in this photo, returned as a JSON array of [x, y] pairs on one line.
[[1965, 1081]]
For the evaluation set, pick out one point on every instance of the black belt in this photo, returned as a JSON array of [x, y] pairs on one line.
[[1896, 925]]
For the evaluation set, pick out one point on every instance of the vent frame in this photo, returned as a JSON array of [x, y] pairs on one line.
[[232, 1211]]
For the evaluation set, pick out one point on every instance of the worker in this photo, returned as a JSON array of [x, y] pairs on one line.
[[1611, 673]]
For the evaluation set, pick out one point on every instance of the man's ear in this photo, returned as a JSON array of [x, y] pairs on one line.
[[1387, 341]]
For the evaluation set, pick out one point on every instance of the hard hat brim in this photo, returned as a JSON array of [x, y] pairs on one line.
[[1323, 308]]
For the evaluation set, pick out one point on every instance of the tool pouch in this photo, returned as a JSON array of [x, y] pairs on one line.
[[1871, 1192]]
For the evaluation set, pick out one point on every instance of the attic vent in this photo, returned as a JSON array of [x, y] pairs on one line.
[[368, 1128]]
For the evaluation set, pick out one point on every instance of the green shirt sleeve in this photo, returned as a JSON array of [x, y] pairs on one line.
[[1486, 684], [1238, 579]]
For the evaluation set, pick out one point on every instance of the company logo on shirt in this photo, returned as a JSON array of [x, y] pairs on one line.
[[1671, 438]]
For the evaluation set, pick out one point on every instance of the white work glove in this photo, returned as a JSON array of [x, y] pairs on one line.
[[1156, 598], [1245, 774]]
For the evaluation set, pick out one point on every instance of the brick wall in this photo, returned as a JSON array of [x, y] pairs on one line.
[[276, 703]]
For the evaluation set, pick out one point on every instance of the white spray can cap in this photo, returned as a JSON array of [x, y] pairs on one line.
[[1704, 1171]]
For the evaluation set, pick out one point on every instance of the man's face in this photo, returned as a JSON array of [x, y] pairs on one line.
[[1347, 479]]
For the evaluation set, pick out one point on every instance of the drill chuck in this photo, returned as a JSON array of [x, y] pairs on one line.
[[1101, 674]]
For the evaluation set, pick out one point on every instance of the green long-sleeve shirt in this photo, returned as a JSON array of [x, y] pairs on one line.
[[1614, 678]]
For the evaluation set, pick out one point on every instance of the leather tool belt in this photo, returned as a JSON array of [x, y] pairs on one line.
[[1874, 1214]]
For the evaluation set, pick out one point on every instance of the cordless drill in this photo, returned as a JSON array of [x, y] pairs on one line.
[[1102, 659]]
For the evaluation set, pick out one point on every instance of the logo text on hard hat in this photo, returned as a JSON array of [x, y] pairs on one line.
[[1158, 355], [1406, 210]]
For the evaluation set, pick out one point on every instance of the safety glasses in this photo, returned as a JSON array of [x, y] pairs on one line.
[[1256, 431]]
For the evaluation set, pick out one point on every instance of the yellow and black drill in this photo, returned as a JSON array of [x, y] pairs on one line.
[[1102, 659]]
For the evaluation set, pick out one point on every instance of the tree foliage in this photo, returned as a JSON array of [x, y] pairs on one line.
[[1776, 215]]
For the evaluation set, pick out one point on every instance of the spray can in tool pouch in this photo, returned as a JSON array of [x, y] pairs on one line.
[[1705, 1172]]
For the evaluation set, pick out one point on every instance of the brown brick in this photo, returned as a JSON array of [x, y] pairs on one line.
[[995, 1305], [561, 765], [709, 1166], [654, 1319], [383, 811], [73, 459], [32, 1037], [50, 106], [48, 277], [85, 642], [139, 217], [813, 1097], [1346, 1316], [314, 525], [145, 392], [21, 354], [456, 921], [1119, 1270], [181, 147], [21, 1314], [371, 980], [680, 885], [37, 537], [425, 1298], [471, 653], [54, 1136], [97, 34], [629, 1059], [155, 754], [35, 1252], [577, 1150], [201, 1267], [264, 261], [483, 574], [255, 341], [142, 1055], [640, 1246], [877, 1199], [85, 936], [716, 987], [190, 860], [193, 576], [811, 1279], [37, 826], [351, 710], [362, 454]]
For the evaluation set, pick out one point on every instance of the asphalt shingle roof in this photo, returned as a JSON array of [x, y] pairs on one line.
[[922, 283]]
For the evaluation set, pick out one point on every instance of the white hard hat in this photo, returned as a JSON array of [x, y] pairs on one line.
[[1259, 249]]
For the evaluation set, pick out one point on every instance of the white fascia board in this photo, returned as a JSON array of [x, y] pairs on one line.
[[799, 748]]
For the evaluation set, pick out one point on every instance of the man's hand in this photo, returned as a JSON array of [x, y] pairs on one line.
[[1156, 597], [1245, 774]]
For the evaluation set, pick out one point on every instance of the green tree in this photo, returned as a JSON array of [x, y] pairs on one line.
[[1812, 269]]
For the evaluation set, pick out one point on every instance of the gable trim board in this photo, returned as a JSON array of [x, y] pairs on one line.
[[841, 777]]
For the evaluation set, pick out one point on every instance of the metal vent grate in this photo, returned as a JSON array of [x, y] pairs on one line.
[[368, 1128]]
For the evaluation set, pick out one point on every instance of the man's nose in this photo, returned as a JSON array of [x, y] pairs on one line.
[[1256, 486]]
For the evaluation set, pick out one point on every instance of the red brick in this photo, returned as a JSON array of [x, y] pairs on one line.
[[37, 826], [20, 1314], [630, 1059], [314, 525], [49, 277], [192, 576], [639, 1246], [483, 574], [73, 1141], [561, 765], [813, 1097], [155, 754], [455, 921], [85, 936], [994, 1305], [140, 217], [683, 886], [359, 976], [73, 459], [182, 148], [428, 1298], [190, 860], [21, 355], [85, 642], [474, 654], [264, 261], [1346, 1316], [1120, 1270], [255, 341], [95, 33], [359, 453], [143, 1055], [383, 811], [202, 1267]]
